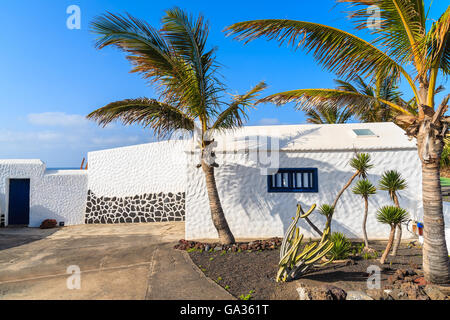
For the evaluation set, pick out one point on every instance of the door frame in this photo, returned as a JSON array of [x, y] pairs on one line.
[[7, 184]]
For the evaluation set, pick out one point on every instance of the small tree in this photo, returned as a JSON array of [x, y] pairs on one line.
[[392, 216], [361, 163], [393, 182], [365, 188]]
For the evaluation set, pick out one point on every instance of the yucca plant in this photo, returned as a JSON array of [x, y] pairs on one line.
[[361, 164], [404, 46], [365, 188], [392, 216], [177, 60], [341, 246], [393, 182]]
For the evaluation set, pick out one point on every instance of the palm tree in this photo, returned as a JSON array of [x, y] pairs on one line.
[[325, 114], [385, 89], [392, 216], [402, 47], [365, 188], [393, 182], [177, 60]]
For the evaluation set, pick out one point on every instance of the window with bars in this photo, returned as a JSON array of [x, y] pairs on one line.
[[293, 180]]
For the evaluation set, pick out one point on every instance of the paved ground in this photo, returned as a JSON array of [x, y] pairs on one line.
[[127, 261]]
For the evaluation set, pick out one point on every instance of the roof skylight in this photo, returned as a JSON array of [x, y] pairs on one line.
[[364, 133]]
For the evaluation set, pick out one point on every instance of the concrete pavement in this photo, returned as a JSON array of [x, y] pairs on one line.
[[125, 261]]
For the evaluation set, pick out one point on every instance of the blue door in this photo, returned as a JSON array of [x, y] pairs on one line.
[[19, 202]]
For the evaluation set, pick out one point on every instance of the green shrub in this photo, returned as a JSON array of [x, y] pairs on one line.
[[341, 246], [445, 156]]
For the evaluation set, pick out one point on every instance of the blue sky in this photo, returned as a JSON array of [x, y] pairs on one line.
[[51, 77]]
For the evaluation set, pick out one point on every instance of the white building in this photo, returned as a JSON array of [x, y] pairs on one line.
[[263, 173]]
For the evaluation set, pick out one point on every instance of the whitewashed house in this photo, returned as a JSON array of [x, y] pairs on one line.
[[263, 173]]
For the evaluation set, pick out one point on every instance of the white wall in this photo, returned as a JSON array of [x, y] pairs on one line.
[[446, 209], [59, 195], [135, 170], [253, 212]]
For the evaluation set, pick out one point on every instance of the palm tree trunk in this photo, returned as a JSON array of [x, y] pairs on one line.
[[436, 265], [398, 239], [217, 215], [389, 245], [366, 210], [435, 256]]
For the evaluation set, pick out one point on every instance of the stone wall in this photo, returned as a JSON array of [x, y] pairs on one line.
[[147, 207]]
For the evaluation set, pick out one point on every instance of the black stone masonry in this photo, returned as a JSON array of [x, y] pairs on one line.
[[148, 207]]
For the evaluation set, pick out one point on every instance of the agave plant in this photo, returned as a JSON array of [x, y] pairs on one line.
[[392, 182], [365, 188], [404, 45], [177, 60], [341, 246], [392, 216]]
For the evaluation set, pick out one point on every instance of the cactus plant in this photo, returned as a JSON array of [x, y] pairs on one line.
[[295, 261]]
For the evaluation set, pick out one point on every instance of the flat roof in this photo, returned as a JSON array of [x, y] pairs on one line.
[[317, 137]]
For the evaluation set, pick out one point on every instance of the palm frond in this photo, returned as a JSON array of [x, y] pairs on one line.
[[157, 60], [162, 118], [436, 57], [188, 37], [339, 51], [400, 28], [326, 114], [235, 115], [311, 98], [437, 45]]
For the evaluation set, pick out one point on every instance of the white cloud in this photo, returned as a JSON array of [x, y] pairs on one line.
[[115, 140], [56, 119], [37, 136], [62, 139], [268, 121]]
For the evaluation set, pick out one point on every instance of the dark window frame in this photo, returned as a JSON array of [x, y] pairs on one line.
[[313, 180]]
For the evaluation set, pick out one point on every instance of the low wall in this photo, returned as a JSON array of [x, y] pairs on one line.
[[59, 195], [142, 183]]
